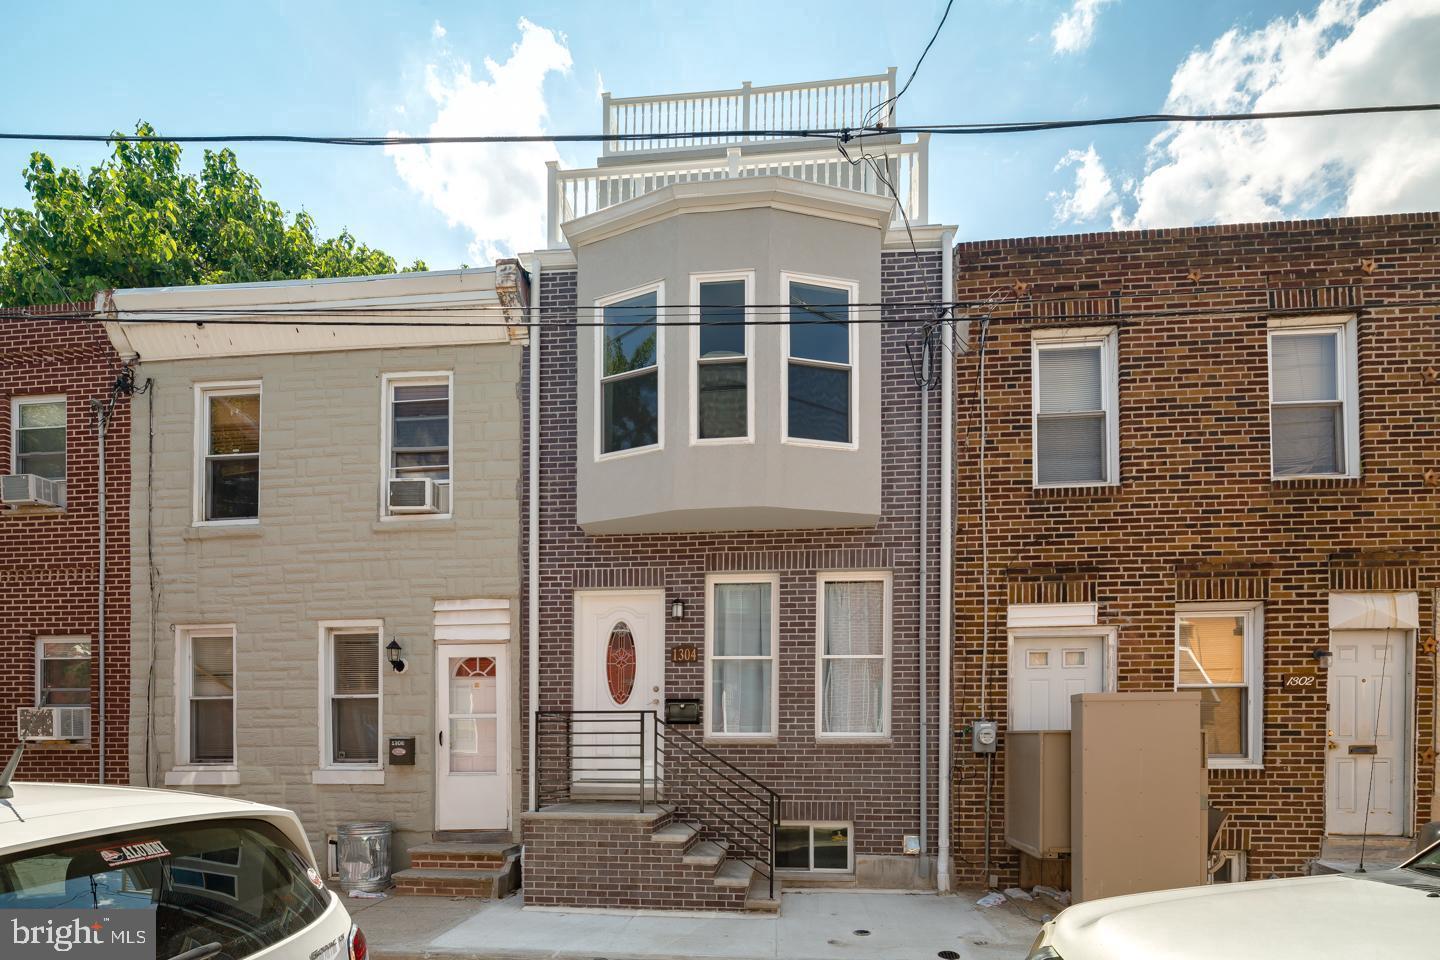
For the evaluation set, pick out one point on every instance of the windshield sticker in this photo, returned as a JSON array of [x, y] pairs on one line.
[[134, 853]]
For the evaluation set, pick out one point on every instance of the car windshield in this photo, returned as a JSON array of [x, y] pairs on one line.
[[238, 883], [1429, 862]]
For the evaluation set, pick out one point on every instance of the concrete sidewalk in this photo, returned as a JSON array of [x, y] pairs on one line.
[[812, 925]]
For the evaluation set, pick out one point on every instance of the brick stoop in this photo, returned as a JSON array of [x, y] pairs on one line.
[[613, 855], [457, 869]]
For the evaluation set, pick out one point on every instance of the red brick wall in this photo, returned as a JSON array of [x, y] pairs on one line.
[[876, 786], [1196, 498], [49, 561]]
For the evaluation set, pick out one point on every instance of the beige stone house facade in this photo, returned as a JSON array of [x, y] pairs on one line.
[[325, 560]]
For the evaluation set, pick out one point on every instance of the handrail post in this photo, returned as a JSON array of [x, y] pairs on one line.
[[774, 826], [641, 719], [552, 202], [745, 109], [606, 125]]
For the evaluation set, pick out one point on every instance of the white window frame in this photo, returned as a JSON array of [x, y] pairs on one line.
[[1253, 612], [658, 288], [1347, 379], [696, 279], [40, 659], [711, 581], [852, 289], [388, 382], [15, 404], [183, 680], [1107, 338], [328, 771], [814, 825], [225, 388], [852, 576]]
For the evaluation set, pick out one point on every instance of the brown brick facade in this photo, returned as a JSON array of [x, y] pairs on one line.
[[1196, 515], [49, 558]]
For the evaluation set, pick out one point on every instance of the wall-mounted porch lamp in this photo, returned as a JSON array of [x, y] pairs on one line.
[[677, 608], [1322, 658], [397, 663]]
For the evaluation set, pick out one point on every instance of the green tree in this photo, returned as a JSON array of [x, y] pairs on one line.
[[138, 220]]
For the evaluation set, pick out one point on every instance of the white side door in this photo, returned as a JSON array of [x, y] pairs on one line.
[[1045, 671], [619, 666], [1366, 749], [472, 761]]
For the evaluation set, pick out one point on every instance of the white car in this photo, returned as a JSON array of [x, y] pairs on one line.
[[227, 879], [1386, 914]]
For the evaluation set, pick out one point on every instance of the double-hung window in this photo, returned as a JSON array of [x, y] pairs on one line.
[[741, 657], [1314, 411], [629, 368], [721, 402], [820, 348], [228, 416], [853, 677], [207, 695], [352, 673], [39, 441], [1219, 651], [1074, 418], [62, 672], [418, 434]]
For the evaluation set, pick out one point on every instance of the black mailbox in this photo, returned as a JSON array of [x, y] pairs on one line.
[[682, 711], [402, 751]]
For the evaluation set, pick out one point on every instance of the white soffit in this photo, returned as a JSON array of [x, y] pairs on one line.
[[1022, 615], [476, 621], [1374, 611]]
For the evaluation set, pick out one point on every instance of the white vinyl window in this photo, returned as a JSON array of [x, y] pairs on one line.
[[628, 340], [815, 847], [206, 679], [417, 438], [1074, 407], [741, 624], [39, 436], [62, 671], [1314, 407], [853, 650], [352, 695], [721, 392], [1219, 651], [820, 346], [227, 418]]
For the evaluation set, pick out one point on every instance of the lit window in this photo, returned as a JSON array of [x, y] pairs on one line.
[[630, 374], [208, 696], [1314, 416], [62, 671], [1074, 418], [230, 452], [740, 620], [820, 365], [722, 394], [1218, 651], [854, 649], [353, 677], [814, 847], [39, 441]]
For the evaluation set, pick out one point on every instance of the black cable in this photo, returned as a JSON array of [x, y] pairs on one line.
[[880, 108]]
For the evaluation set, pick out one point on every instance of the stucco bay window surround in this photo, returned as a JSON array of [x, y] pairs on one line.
[[708, 439]]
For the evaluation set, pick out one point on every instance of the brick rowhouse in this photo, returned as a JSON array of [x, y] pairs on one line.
[[1196, 514], [873, 785], [49, 558]]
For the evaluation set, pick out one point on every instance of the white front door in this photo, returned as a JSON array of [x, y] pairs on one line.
[[472, 761], [619, 666], [1366, 748], [1046, 671]]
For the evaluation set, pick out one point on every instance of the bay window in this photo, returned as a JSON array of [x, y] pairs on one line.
[[629, 372], [820, 353], [721, 398]]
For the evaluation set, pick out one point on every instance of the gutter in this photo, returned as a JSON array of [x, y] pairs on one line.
[[533, 547], [947, 551]]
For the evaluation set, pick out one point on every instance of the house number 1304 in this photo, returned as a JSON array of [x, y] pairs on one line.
[[685, 653]]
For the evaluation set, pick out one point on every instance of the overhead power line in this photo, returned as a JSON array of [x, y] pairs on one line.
[[844, 134]]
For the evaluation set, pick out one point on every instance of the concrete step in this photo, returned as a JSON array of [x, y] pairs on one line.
[[706, 853], [455, 855], [758, 898], [471, 836], [734, 873], [1342, 854], [678, 834], [489, 883]]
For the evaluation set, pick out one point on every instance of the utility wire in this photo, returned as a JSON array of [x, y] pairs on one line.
[[845, 134], [880, 109]]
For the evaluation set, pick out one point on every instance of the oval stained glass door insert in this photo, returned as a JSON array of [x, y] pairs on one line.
[[620, 663]]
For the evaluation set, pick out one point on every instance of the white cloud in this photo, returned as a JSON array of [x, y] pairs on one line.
[[495, 191], [437, 30], [1076, 26], [1093, 192], [1344, 53]]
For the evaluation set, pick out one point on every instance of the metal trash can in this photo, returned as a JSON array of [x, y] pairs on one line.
[[363, 853]]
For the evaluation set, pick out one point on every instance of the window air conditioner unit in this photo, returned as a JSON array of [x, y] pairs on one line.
[[53, 723], [413, 495], [31, 490]]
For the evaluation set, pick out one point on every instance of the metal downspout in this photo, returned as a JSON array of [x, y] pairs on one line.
[[533, 561], [924, 543], [101, 420], [947, 547]]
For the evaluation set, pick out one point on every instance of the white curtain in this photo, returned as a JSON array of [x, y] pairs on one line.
[[741, 669], [853, 661]]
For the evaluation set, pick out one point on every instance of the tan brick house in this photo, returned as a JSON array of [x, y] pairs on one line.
[[1210, 463]]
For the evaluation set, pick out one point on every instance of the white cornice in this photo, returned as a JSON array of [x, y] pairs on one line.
[[928, 236], [744, 193]]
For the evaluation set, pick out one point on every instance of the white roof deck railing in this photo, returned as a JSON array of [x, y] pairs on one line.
[[576, 193], [669, 122]]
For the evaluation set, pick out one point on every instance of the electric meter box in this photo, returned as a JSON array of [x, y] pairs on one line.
[[984, 735]]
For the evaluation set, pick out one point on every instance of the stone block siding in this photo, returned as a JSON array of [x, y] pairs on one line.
[[880, 782], [1196, 510], [49, 559]]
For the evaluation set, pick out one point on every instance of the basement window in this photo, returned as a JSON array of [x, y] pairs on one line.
[[815, 848]]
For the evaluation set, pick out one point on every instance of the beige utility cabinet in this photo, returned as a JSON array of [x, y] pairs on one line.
[[1037, 792], [1138, 818]]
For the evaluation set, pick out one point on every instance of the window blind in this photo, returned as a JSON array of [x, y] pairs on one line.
[[1305, 367], [212, 667], [357, 664], [1070, 380]]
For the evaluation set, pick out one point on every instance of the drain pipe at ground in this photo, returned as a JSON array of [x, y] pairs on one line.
[[532, 625], [102, 418], [947, 547], [923, 861]]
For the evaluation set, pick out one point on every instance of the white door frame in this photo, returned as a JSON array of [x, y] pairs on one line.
[[501, 779], [1109, 648], [1409, 719]]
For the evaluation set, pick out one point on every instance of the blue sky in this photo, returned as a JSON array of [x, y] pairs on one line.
[[362, 67]]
